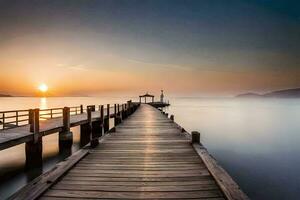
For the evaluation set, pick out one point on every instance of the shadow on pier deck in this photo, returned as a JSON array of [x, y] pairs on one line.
[[145, 157]]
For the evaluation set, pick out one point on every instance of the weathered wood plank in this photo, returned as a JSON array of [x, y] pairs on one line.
[[141, 179], [62, 198], [139, 183], [22, 134], [133, 195], [136, 188], [226, 183], [146, 157], [42, 183]]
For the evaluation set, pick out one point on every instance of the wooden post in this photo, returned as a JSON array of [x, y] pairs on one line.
[[34, 148], [122, 113], [17, 118], [66, 136], [115, 116], [195, 137], [128, 108], [30, 117], [102, 117], [119, 115], [92, 108], [106, 120], [125, 111], [86, 129], [81, 109], [172, 117], [96, 128]]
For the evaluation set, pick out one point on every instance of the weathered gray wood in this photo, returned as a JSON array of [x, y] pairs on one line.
[[66, 136], [195, 137], [172, 117], [34, 148], [226, 183], [133, 195], [146, 157], [14, 136], [135, 188], [106, 119], [39, 185], [139, 183]]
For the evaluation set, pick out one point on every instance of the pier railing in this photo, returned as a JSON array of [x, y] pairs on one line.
[[16, 118], [29, 126]]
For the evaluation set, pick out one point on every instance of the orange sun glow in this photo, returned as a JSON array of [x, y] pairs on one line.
[[43, 88]]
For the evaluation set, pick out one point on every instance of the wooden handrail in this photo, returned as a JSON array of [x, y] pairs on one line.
[[14, 118]]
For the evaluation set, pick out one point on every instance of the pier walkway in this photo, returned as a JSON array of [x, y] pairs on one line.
[[147, 156], [18, 135]]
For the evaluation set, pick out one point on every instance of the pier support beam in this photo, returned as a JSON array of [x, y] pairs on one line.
[[96, 133], [115, 115], [195, 137], [34, 148], [84, 137], [96, 127], [172, 118], [129, 108], [106, 120], [119, 115], [124, 111], [86, 129], [102, 118], [66, 136], [81, 109]]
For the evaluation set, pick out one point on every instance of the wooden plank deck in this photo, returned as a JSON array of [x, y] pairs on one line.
[[146, 158]]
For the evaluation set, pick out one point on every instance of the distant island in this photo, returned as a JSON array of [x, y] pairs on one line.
[[5, 95], [288, 93]]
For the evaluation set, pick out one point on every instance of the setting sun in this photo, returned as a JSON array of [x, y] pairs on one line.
[[43, 88]]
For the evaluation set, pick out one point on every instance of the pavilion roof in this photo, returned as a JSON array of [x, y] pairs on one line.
[[147, 95]]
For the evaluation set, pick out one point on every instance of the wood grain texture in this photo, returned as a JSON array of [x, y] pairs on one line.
[[22, 134], [226, 183], [146, 158]]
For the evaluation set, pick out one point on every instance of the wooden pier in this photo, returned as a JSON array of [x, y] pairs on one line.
[[147, 156], [29, 126]]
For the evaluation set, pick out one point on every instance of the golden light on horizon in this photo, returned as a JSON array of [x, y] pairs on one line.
[[43, 88]]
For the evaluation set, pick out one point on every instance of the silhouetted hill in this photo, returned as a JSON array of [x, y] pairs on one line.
[[249, 95], [5, 95], [288, 93]]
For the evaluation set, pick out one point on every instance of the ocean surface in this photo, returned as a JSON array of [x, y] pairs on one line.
[[256, 140]]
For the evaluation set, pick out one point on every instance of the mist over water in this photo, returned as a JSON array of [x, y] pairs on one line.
[[255, 140]]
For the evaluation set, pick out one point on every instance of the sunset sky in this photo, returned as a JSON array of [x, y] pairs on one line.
[[90, 47]]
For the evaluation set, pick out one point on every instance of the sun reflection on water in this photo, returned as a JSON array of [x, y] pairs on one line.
[[43, 103]]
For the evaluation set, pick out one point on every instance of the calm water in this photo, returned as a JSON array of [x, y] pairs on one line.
[[256, 141]]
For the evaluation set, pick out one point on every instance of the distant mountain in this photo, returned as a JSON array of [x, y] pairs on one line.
[[249, 95], [5, 95], [288, 93]]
